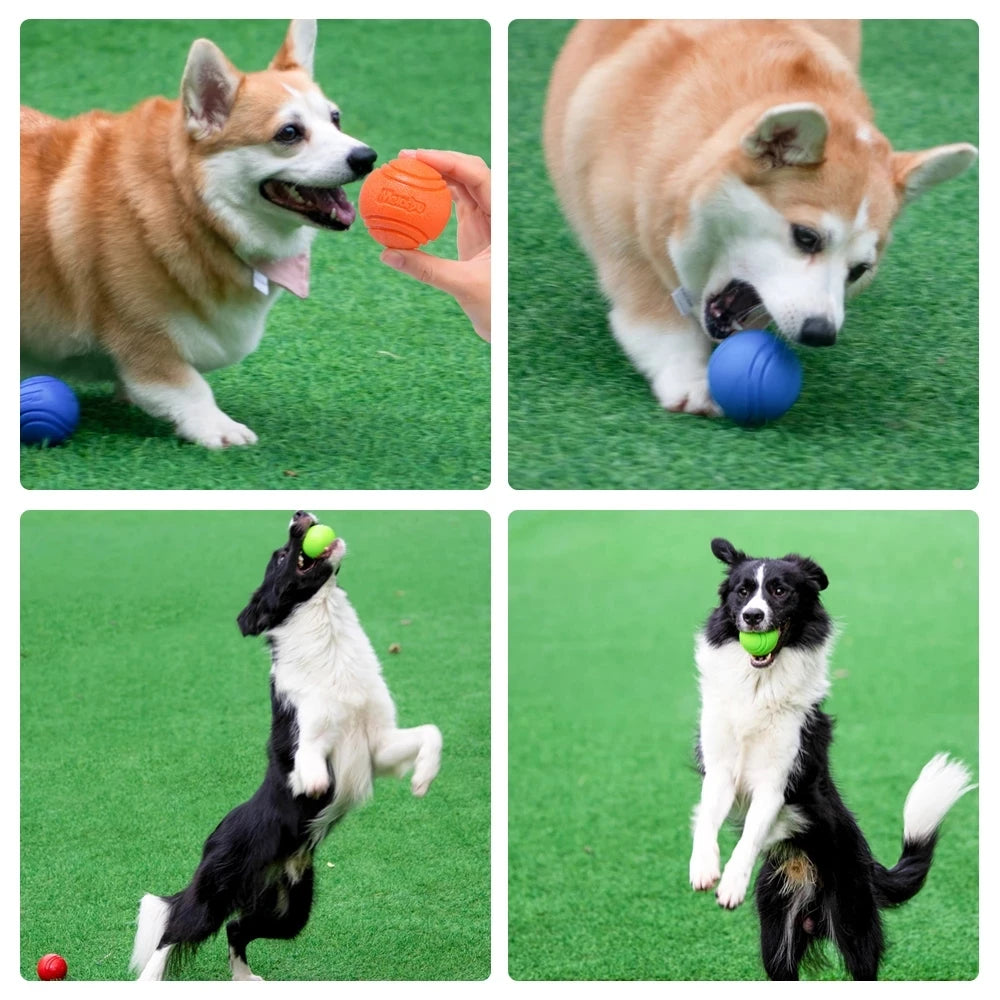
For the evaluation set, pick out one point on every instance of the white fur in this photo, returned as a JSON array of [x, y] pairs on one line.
[[737, 234], [672, 355], [750, 724], [152, 922], [326, 668], [940, 785]]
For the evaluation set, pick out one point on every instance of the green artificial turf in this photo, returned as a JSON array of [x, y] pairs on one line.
[[374, 382], [603, 710], [893, 405], [144, 717]]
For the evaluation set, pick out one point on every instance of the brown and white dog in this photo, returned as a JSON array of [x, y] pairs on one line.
[[154, 242], [721, 175]]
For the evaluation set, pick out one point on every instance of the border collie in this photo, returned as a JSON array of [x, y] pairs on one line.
[[763, 748], [333, 730]]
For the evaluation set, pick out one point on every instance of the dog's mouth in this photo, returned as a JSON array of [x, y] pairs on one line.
[[306, 564], [327, 208], [760, 662], [737, 307]]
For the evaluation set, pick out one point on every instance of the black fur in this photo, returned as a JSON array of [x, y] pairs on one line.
[[257, 863], [842, 887]]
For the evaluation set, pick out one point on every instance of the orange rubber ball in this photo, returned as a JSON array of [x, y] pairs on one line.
[[405, 204]]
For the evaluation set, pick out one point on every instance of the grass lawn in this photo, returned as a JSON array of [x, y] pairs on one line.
[[893, 406], [144, 716], [603, 713], [375, 381]]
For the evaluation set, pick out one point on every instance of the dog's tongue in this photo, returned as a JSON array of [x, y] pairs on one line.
[[291, 273]]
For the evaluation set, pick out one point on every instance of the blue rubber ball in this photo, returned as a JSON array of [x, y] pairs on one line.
[[49, 410], [754, 377]]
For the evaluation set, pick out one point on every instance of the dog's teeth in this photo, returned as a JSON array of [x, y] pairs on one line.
[[301, 561]]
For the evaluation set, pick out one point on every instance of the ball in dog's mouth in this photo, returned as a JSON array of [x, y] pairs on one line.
[[326, 207], [306, 563], [735, 308]]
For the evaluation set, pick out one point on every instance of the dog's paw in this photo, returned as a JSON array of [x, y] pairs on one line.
[[733, 888], [428, 762], [311, 777], [683, 392], [704, 868], [216, 430]]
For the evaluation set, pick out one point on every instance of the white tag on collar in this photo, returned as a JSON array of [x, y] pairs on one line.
[[682, 300], [260, 282]]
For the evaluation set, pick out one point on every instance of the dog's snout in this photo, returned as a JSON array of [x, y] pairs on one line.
[[818, 331], [302, 521], [361, 159], [752, 617]]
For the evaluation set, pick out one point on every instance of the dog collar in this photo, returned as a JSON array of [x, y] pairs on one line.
[[291, 273], [683, 301]]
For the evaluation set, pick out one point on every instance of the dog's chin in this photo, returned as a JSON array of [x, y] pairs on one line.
[[323, 207], [736, 307]]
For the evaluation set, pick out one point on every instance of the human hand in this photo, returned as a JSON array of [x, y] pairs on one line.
[[468, 278]]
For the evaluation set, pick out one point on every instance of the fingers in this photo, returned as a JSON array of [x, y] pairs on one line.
[[464, 171], [447, 275]]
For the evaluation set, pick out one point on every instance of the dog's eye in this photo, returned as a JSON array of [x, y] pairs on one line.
[[856, 272], [777, 590], [742, 591], [335, 118], [806, 239], [288, 134]]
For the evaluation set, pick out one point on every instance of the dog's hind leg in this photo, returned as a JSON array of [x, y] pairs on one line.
[[397, 750], [281, 912], [787, 919], [856, 928]]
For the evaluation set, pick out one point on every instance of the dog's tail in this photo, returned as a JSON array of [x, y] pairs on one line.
[[941, 784]]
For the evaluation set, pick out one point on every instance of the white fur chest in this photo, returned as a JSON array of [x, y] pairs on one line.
[[751, 719], [325, 667], [227, 334]]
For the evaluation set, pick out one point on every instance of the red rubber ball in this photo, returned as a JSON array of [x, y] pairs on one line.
[[405, 204], [52, 967]]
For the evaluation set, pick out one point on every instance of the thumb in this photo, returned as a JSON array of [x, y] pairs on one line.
[[447, 275]]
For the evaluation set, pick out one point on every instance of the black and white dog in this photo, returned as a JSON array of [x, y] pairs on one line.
[[763, 747], [333, 730]]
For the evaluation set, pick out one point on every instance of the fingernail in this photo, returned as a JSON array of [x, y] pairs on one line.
[[407, 152], [393, 259]]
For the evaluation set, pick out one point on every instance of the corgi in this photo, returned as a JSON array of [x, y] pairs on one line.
[[155, 242], [724, 175]]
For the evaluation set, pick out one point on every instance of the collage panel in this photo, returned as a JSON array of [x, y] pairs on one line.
[[691, 204], [145, 714], [628, 672], [158, 233]]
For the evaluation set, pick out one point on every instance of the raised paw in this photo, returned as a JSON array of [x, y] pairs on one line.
[[428, 762], [311, 777], [704, 869], [733, 888]]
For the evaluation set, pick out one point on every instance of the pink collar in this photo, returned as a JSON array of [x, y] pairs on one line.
[[291, 273]]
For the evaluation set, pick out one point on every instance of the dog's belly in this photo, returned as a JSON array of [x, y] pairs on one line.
[[233, 331]]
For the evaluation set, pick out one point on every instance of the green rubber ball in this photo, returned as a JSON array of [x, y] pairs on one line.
[[759, 643], [318, 538]]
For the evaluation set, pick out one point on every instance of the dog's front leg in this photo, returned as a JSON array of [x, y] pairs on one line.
[[672, 353], [158, 380], [311, 773], [717, 795], [419, 748], [765, 805]]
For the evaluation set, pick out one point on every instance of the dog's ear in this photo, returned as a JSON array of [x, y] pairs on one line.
[[812, 571], [208, 89], [298, 49], [724, 550], [788, 135], [915, 173], [255, 617]]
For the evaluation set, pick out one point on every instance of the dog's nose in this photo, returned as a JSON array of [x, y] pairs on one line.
[[753, 617], [361, 159], [818, 331]]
